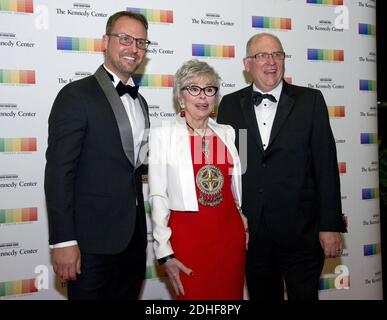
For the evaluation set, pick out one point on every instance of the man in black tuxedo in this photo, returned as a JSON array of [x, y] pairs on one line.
[[93, 187], [291, 186]]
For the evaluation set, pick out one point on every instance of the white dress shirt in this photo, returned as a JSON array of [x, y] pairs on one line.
[[265, 113], [137, 122], [135, 114]]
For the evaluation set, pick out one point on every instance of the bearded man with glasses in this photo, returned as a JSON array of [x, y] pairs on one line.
[[291, 187], [93, 173]]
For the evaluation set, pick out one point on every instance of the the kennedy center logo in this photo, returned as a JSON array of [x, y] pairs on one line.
[[371, 4], [13, 181], [212, 19], [9, 40], [326, 83], [324, 25], [81, 10], [63, 80], [25, 6], [156, 48], [215, 51], [153, 15], [11, 110], [79, 44], [262, 22]]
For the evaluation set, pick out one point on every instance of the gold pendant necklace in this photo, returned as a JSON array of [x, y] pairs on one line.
[[204, 141], [209, 178]]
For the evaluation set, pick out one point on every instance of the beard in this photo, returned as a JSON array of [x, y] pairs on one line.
[[121, 66]]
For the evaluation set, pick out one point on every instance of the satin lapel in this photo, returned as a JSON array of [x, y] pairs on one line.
[[119, 112], [250, 117], [144, 142], [284, 107]]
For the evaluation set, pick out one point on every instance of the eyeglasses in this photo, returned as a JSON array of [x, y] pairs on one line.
[[193, 90], [264, 56], [127, 40]]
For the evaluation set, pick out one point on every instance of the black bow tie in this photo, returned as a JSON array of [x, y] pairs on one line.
[[122, 89], [258, 97]]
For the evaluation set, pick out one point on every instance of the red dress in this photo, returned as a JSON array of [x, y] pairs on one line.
[[211, 242]]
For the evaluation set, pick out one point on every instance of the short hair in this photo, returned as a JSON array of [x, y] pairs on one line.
[[136, 16], [261, 35], [192, 69]]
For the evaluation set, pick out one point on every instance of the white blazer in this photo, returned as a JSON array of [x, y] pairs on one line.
[[171, 177]]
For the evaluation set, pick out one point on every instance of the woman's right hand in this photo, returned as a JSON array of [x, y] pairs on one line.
[[173, 268]]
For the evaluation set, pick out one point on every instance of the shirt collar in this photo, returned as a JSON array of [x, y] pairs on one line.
[[276, 92], [116, 79]]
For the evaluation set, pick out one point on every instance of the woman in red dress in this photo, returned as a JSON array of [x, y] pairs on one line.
[[200, 234]]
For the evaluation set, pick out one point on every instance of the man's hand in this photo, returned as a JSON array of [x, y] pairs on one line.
[[332, 243], [67, 262]]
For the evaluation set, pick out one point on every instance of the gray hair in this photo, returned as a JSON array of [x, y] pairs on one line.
[[193, 69], [257, 37]]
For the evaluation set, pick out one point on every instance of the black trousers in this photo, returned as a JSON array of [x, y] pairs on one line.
[[269, 266], [112, 277]]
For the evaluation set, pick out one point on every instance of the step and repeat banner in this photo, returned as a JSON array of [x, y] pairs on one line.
[[44, 44]]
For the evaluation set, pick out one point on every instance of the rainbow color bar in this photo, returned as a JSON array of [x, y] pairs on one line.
[[367, 85], [370, 193], [371, 249], [17, 144], [79, 44], [336, 111], [271, 23], [152, 15], [18, 215], [326, 54], [342, 167], [367, 29], [330, 2], [17, 287], [153, 80], [17, 76], [327, 283], [26, 6], [209, 50], [368, 138]]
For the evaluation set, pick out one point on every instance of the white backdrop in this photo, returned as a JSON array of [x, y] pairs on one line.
[[330, 46]]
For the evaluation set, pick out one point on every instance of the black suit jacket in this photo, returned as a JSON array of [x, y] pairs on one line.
[[295, 182], [91, 182]]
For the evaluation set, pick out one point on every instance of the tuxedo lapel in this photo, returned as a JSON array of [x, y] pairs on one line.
[[119, 112], [144, 108], [249, 115], [285, 105]]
